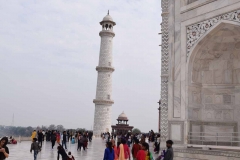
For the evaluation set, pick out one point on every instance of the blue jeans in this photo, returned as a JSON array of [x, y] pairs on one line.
[[35, 154], [129, 143], [64, 143]]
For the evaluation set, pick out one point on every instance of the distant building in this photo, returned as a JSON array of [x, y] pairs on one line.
[[122, 127]]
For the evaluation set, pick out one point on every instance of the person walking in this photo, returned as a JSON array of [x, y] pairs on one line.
[[136, 147], [62, 152], [4, 151], [81, 141], [115, 149], [90, 134], [53, 138], [121, 155], [124, 151], [35, 148], [40, 137], [144, 154], [85, 141], [169, 153], [64, 140], [109, 152], [58, 137], [157, 144], [43, 132], [34, 134], [129, 139]]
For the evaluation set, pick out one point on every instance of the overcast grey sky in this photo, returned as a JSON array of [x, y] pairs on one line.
[[49, 50]]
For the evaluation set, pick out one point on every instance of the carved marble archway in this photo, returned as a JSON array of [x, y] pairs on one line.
[[197, 31], [214, 80]]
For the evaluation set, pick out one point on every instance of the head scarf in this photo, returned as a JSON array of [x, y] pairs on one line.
[[121, 153]]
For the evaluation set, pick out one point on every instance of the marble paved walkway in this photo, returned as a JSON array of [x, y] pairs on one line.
[[21, 151]]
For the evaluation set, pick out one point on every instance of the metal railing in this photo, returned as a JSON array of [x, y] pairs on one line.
[[214, 138]]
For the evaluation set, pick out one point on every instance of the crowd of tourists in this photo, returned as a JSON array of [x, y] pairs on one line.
[[138, 146], [118, 146], [61, 138]]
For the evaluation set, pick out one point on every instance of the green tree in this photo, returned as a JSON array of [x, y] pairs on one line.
[[136, 131], [52, 127], [60, 128]]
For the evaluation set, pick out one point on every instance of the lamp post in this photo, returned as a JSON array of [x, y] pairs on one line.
[[159, 116]]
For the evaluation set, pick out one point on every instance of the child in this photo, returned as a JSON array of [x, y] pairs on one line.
[[70, 156], [73, 140], [35, 148]]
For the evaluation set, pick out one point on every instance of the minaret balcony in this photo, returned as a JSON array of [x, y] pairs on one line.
[[107, 33], [106, 69], [102, 101]]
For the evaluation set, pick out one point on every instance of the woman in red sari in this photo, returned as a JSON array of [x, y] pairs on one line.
[[58, 137]]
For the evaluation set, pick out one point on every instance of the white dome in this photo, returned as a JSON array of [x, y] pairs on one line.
[[107, 18], [122, 116]]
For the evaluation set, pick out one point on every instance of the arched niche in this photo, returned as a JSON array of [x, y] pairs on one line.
[[214, 80]]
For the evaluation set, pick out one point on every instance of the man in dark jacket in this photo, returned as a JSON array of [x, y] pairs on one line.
[[169, 153], [35, 148], [40, 137], [64, 139], [53, 138]]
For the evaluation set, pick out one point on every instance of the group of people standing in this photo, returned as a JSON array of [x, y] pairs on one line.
[[61, 139], [139, 150]]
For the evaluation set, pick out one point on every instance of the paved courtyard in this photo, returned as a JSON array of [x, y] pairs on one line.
[[95, 151]]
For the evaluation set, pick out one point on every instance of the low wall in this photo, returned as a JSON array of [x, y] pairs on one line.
[[19, 139], [197, 154]]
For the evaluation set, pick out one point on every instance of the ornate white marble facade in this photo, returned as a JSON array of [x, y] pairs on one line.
[[103, 100], [200, 67]]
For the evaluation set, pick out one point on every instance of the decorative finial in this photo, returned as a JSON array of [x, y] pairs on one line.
[[108, 12]]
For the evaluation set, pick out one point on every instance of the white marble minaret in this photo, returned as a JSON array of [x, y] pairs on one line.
[[103, 101]]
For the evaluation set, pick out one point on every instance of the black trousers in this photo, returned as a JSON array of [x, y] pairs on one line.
[[53, 144], [40, 142], [80, 145]]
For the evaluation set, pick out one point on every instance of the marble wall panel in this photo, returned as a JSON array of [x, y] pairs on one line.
[[236, 63], [213, 130], [208, 115], [176, 132], [236, 76], [194, 113], [228, 115], [197, 76], [177, 98], [218, 76], [228, 76], [217, 106], [196, 97], [218, 65], [237, 115], [237, 99], [205, 65], [208, 99], [227, 99], [207, 77], [218, 99]]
